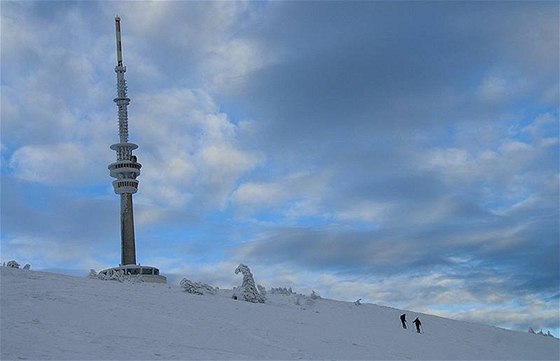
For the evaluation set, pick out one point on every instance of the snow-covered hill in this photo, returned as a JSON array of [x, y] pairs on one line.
[[50, 316]]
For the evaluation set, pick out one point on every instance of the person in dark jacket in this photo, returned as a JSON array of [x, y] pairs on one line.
[[403, 320], [417, 323]]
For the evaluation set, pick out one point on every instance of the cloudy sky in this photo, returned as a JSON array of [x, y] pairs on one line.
[[405, 153]]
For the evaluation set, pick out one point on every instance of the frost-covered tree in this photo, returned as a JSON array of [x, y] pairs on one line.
[[308, 301], [282, 291], [358, 302], [111, 275], [27, 267], [531, 330], [314, 296], [119, 275], [93, 274], [197, 288], [262, 290], [12, 264], [248, 290]]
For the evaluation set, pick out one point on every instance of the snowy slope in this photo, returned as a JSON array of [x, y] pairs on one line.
[[51, 316]]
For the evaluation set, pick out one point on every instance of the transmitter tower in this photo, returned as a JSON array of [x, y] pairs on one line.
[[125, 171]]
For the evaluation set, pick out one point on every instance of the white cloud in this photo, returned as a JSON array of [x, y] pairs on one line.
[[541, 125], [508, 167], [67, 151], [206, 35], [260, 194], [499, 165], [293, 195], [41, 252], [61, 163], [190, 150], [18, 35], [493, 88], [363, 210], [221, 165], [52, 126], [229, 62]]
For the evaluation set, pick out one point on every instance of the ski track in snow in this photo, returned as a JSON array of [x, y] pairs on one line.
[[47, 316]]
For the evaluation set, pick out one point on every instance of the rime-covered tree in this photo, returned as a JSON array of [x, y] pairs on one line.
[[248, 290], [197, 288], [12, 264]]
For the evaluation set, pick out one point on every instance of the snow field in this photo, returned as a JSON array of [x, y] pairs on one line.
[[54, 317]]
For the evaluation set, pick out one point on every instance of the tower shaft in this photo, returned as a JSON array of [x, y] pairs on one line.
[[128, 247]]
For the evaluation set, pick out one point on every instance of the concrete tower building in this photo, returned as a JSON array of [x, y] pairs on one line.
[[126, 169]]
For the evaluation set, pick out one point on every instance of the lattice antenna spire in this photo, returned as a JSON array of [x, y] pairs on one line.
[[121, 100], [119, 44]]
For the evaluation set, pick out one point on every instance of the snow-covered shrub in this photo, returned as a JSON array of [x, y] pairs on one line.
[[309, 301], [12, 264], [93, 274], [282, 291], [248, 291], [197, 288], [119, 275], [358, 302], [111, 275], [541, 333]]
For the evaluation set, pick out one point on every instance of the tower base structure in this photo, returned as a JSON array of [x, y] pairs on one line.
[[144, 273]]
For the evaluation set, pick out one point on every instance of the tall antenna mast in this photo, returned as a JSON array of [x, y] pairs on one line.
[[126, 168], [118, 33]]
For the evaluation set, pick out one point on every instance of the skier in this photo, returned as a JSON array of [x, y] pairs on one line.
[[403, 320], [417, 323]]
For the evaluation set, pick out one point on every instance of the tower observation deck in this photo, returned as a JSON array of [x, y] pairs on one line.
[[125, 171]]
